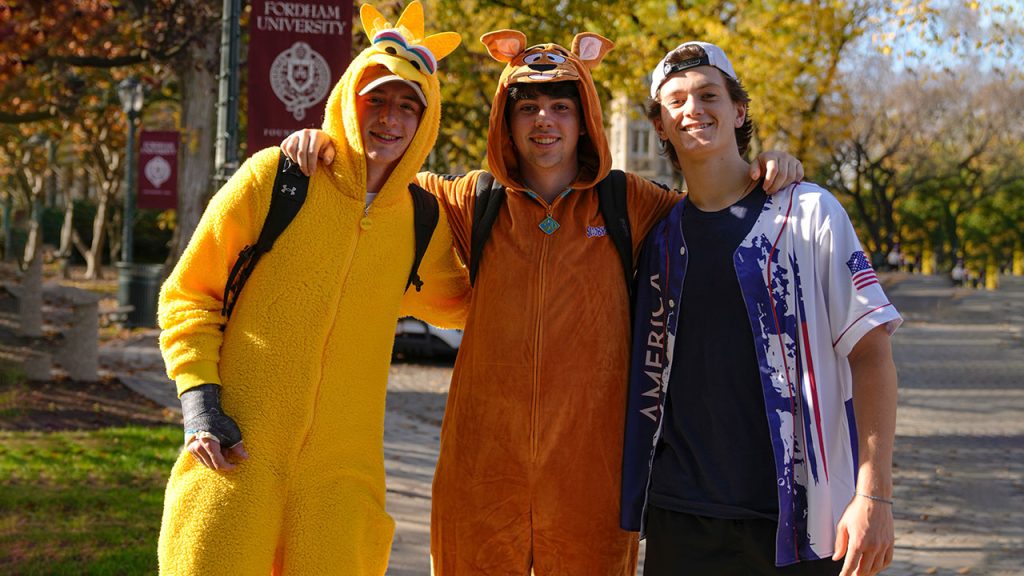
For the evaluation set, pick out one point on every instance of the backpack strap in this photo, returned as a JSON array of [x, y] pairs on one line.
[[425, 214], [289, 192], [611, 197], [490, 195]]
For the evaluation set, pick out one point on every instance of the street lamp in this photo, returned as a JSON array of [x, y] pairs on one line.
[[129, 91], [226, 152], [131, 279]]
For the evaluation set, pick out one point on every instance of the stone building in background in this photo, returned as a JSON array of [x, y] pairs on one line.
[[634, 144]]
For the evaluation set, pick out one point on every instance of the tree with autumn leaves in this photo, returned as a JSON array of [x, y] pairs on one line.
[[852, 88], [59, 65], [872, 134], [928, 155]]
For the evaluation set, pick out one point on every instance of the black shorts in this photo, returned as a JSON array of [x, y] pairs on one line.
[[680, 544]]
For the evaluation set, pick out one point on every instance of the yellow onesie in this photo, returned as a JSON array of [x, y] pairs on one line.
[[303, 362]]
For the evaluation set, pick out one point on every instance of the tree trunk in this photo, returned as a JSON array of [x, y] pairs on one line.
[[172, 255], [94, 257], [34, 243], [114, 239], [30, 295], [8, 219], [198, 117], [66, 232]]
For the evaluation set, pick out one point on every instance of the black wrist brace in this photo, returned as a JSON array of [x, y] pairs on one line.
[[201, 411]]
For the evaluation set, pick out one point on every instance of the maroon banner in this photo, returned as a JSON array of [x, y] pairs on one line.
[[297, 53], [158, 170]]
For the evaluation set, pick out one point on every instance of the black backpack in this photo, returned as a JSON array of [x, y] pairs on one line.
[[290, 187], [611, 198]]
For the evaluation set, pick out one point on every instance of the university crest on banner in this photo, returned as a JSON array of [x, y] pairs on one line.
[[297, 53], [158, 169], [300, 78]]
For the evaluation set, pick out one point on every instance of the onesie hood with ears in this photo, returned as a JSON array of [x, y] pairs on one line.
[[548, 63], [405, 52]]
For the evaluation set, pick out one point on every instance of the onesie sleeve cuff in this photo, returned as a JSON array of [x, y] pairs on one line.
[[195, 374]]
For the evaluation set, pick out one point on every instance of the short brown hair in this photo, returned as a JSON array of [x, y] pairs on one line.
[[533, 90], [737, 93]]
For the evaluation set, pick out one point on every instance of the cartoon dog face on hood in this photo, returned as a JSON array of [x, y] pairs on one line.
[[406, 52], [548, 63]]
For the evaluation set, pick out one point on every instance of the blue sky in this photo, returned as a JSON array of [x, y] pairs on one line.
[[985, 33]]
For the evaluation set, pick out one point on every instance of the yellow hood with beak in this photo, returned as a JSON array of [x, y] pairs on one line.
[[405, 51]]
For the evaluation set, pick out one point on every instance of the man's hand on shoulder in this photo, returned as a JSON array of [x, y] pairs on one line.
[[306, 146], [779, 169]]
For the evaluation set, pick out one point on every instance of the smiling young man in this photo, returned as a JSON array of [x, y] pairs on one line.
[[528, 473], [526, 478], [544, 125], [300, 369], [761, 331], [388, 109]]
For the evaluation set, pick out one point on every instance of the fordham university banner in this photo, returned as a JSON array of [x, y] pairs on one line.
[[158, 170], [297, 53]]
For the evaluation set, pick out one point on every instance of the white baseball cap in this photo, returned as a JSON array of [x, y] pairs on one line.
[[380, 75], [713, 56]]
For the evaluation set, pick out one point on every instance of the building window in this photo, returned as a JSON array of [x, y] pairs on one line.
[[640, 141]]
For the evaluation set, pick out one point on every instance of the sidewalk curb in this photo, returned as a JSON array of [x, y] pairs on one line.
[[162, 391]]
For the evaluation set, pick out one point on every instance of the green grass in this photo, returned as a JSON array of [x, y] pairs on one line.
[[84, 502], [11, 378]]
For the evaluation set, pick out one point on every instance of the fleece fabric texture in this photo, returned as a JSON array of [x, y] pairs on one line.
[[303, 361], [531, 444]]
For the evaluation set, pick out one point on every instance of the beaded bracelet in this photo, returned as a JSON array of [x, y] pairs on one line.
[[875, 498]]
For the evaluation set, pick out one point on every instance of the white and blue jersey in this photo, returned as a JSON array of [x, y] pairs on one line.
[[810, 294]]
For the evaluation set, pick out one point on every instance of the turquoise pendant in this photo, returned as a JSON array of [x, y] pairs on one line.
[[549, 225]]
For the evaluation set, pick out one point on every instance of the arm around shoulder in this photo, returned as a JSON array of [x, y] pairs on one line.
[[443, 299], [648, 203], [457, 197]]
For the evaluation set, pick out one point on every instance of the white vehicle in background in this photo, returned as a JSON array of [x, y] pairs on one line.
[[417, 338]]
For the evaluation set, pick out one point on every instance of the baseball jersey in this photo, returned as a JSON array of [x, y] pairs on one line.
[[810, 294]]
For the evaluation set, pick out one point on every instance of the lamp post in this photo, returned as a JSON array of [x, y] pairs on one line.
[[130, 93], [226, 151], [130, 287]]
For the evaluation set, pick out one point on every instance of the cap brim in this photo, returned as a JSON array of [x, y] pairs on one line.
[[713, 56], [394, 78]]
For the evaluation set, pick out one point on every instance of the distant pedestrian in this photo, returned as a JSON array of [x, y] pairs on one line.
[[895, 258], [957, 273]]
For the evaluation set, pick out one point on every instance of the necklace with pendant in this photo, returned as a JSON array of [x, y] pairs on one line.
[[549, 225]]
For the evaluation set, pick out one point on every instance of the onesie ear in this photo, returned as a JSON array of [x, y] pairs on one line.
[[412, 21], [504, 45], [591, 48], [442, 44], [372, 20]]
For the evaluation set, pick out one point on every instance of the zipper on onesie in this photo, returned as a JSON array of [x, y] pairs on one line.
[[549, 226]]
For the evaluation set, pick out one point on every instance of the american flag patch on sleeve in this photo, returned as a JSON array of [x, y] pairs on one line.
[[860, 268]]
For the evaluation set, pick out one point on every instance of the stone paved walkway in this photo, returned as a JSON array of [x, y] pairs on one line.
[[960, 430], [960, 434]]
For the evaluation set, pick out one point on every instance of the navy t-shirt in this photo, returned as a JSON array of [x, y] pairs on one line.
[[715, 454]]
